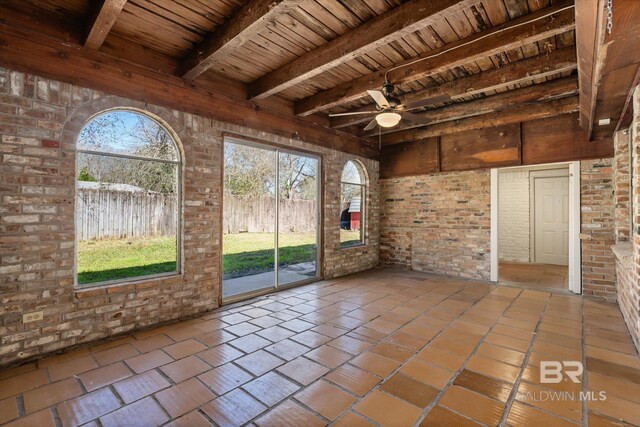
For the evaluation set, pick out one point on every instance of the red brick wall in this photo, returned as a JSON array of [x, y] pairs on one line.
[[597, 230], [628, 262], [622, 185], [437, 223], [39, 123]]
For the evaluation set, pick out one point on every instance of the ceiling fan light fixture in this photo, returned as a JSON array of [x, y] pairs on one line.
[[388, 120]]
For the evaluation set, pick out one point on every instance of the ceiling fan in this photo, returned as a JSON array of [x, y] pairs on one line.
[[390, 110]]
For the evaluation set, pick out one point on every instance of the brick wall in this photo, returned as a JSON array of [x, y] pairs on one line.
[[622, 185], [633, 309], [441, 223], [514, 223], [437, 223], [628, 254], [597, 229], [39, 123]]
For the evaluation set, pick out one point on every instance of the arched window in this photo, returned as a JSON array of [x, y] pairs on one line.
[[127, 198], [352, 204]]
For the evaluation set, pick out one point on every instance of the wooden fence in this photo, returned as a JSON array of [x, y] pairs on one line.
[[257, 215], [111, 214]]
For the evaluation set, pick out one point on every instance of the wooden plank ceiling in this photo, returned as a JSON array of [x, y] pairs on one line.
[[501, 61]]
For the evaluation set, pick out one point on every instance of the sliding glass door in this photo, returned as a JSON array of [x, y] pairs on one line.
[[270, 218], [297, 218]]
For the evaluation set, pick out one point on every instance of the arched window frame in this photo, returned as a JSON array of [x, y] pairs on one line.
[[179, 184], [363, 200]]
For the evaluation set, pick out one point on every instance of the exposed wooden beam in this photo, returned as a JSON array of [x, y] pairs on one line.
[[616, 65], [514, 73], [514, 34], [392, 25], [29, 52], [590, 31], [555, 89], [530, 111], [102, 22], [549, 140], [242, 27]]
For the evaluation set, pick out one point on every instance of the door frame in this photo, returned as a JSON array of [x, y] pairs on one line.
[[277, 148], [575, 267], [539, 174]]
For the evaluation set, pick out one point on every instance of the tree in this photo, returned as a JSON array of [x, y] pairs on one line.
[[130, 133], [85, 175]]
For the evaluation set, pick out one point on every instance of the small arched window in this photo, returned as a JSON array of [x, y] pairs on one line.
[[128, 169], [353, 195]]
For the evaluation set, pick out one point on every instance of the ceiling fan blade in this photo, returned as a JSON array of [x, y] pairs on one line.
[[379, 98], [352, 113], [417, 119], [426, 102], [371, 125]]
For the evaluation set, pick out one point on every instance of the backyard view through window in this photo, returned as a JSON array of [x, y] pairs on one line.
[[352, 205], [127, 203], [270, 217]]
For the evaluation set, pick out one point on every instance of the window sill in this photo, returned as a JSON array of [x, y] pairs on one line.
[[623, 253], [358, 246], [111, 284]]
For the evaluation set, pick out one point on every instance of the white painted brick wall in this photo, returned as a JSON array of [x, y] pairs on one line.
[[514, 227]]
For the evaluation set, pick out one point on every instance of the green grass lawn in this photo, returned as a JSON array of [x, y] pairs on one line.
[[250, 253], [349, 238], [244, 254], [102, 260]]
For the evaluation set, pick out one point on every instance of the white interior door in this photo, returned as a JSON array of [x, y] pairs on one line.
[[551, 213]]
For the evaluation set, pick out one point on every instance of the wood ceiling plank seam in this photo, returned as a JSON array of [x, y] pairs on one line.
[[260, 53], [238, 64], [517, 8], [145, 33], [213, 14], [414, 42], [378, 6], [142, 13], [496, 11], [391, 54], [358, 67], [276, 46], [430, 37], [347, 70], [274, 37], [360, 9], [313, 24], [403, 49], [445, 31], [338, 10], [289, 35], [180, 15], [478, 17], [301, 30], [461, 25], [313, 8]]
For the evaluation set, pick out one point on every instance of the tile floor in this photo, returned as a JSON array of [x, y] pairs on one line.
[[532, 275], [386, 347]]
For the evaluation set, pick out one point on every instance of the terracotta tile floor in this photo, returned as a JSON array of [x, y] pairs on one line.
[[532, 275], [385, 347]]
